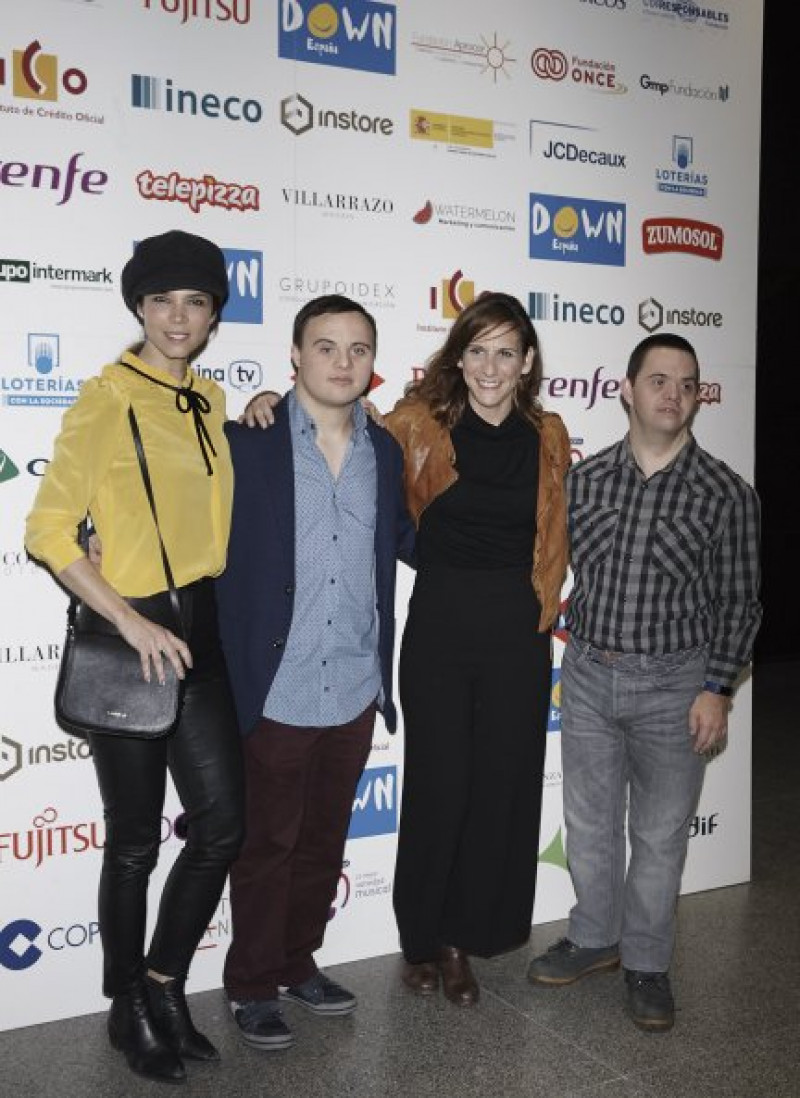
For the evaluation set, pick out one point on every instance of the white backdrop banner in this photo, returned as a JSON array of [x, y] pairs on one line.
[[596, 158]]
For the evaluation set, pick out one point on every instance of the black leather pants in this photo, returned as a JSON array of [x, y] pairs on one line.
[[203, 756]]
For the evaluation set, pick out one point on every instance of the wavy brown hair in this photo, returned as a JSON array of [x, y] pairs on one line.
[[443, 387]]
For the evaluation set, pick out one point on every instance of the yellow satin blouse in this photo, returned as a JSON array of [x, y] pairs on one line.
[[95, 470]]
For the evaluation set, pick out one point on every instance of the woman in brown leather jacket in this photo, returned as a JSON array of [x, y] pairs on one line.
[[484, 477]]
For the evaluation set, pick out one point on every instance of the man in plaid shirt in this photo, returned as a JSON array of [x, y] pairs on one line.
[[662, 618]]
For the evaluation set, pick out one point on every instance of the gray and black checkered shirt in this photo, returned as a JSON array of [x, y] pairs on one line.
[[665, 563]]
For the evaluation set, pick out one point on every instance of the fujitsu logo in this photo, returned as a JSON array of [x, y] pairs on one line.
[[219, 11]]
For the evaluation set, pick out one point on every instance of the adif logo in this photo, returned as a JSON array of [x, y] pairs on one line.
[[246, 282], [8, 471], [375, 803], [452, 295], [357, 35], [43, 352], [10, 756], [35, 75]]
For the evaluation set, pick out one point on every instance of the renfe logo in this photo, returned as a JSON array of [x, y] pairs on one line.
[[375, 804], [577, 230], [245, 277], [356, 35], [16, 173]]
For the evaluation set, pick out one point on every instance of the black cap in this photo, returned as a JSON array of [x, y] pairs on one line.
[[174, 261]]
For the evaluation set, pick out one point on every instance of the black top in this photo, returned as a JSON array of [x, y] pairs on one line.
[[487, 519]]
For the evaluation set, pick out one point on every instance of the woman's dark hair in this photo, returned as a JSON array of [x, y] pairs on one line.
[[443, 387]]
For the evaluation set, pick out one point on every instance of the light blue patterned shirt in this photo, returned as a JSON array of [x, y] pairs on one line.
[[330, 671]]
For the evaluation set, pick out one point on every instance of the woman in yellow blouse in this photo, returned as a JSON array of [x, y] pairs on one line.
[[176, 285]]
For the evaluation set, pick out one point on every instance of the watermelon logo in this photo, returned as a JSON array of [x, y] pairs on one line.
[[423, 216], [8, 469]]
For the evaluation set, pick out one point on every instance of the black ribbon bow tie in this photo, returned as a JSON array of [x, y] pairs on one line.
[[187, 400]]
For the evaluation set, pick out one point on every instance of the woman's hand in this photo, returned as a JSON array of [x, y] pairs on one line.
[[258, 412], [153, 642]]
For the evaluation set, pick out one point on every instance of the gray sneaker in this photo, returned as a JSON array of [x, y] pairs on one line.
[[261, 1024], [649, 1000], [321, 995], [565, 962]]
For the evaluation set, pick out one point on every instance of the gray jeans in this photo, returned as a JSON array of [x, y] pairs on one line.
[[626, 743]]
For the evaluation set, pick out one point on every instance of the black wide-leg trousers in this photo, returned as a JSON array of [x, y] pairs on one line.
[[475, 689]]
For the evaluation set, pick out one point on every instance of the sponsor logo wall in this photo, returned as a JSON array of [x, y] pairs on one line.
[[581, 155]]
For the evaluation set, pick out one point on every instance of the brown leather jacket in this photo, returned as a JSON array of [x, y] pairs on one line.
[[430, 468]]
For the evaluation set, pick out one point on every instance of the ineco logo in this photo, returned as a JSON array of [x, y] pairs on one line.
[[62, 181], [35, 75], [155, 93], [552, 307], [679, 234], [298, 116], [245, 304], [375, 804], [206, 191], [358, 35], [577, 230], [653, 315], [221, 11]]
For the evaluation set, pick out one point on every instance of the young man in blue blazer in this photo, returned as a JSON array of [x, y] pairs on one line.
[[306, 607]]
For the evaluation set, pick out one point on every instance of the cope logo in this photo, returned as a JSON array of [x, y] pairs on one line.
[[452, 295], [577, 230], [375, 803], [357, 35], [245, 304], [35, 75], [19, 948]]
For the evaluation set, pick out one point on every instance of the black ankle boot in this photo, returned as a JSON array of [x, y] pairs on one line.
[[171, 1016], [132, 1030]]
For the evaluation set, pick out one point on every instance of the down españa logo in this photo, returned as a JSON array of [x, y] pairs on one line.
[[577, 230]]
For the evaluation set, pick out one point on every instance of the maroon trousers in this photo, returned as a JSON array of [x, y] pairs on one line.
[[301, 783]]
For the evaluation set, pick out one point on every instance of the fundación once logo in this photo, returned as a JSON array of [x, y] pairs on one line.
[[357, 35], [299, 116], [577, 230]]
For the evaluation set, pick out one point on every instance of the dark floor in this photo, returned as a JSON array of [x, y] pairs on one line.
[[736, 974]]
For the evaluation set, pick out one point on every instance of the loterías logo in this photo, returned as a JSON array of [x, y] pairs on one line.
[[217, 11]]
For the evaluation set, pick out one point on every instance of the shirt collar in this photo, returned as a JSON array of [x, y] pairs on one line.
[[302, 421], [155, 372]]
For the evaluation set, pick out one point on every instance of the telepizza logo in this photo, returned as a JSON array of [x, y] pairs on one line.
[[34, 75], [195, 193], [680, 234]]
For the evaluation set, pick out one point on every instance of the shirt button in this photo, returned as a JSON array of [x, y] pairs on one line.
[[278, 642], [324, 663], [333, 581], [289, 589], [330, 622], [335, 537]]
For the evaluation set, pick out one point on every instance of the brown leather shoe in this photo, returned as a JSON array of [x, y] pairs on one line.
[[423, 979], [458, 983]]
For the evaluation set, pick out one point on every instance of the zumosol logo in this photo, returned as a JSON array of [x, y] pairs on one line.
[[588, 72], [553, 308], [156, 93], [356, 35], [298, 115], [196, 193], [245, 304], [375, 803], [218, 11], [682, 177], [577, 230], [61, 182], [653, 315], [679, 234]]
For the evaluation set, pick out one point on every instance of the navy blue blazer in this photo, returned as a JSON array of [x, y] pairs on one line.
[[255, 593]]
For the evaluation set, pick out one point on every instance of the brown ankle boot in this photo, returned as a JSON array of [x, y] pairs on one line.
[[458, 982]]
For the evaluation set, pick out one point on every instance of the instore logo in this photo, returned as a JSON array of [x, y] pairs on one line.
[[62, 182], [196, 193], [653, 315], [577, 230], [156, 93], [220, 11], [299, 116], [358, 35], [678, 234]]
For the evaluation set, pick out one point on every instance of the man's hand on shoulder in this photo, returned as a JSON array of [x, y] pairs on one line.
[[708, 721], [258, 412]]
